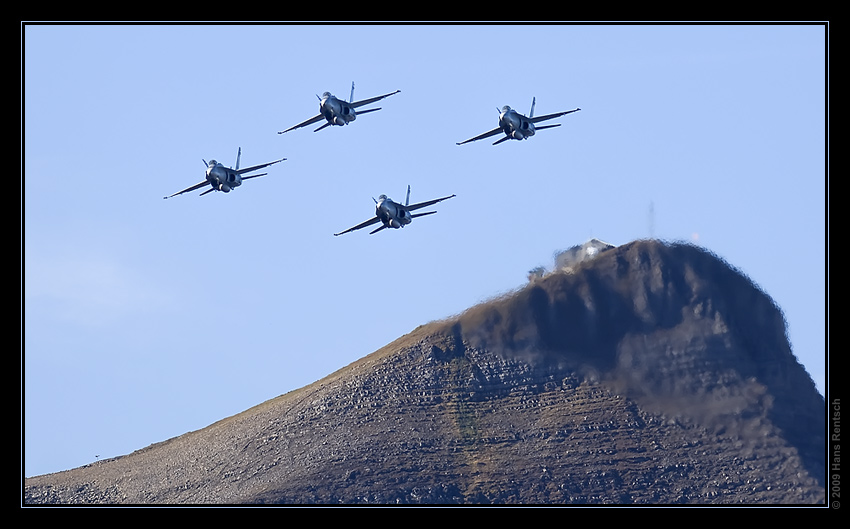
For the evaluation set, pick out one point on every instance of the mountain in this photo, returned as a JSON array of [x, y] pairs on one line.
[[649, 373]]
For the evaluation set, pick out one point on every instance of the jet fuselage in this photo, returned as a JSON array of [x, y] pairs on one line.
[[392, 215], [335, 111], [514, 124], [221, 178]]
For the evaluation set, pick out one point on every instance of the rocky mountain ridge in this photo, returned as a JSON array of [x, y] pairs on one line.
[[653, 373]]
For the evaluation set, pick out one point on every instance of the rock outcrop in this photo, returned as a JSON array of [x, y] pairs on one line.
[[653, 373]]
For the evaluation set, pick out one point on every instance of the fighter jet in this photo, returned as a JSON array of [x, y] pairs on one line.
[[518, 127], [394, 215], [221, 178], [338, 111]]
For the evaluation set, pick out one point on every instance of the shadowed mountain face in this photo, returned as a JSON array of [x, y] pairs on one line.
[[650, 374]]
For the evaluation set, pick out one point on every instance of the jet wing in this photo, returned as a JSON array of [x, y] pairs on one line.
[[482, 136], [314, 119], [538, 119], [254, 168], [426, 204], [192, 188], [371, 100], [369, 222]]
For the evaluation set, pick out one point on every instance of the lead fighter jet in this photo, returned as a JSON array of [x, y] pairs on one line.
[[221, 178], [394, 215], [518, 127], [338, 111]]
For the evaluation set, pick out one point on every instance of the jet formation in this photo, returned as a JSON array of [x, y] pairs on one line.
[[339, 112]]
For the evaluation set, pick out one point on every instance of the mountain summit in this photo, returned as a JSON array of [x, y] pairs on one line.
[[649, 373]]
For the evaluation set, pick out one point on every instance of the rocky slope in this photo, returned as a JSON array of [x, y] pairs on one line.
[[653, 373]]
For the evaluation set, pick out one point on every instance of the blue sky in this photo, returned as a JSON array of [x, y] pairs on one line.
[[145, 318]]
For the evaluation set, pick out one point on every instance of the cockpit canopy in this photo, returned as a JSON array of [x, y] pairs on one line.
[[326, 95], [212, 163], [382, 197], [506, 108]]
